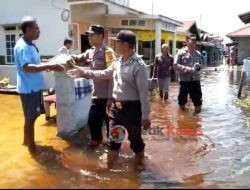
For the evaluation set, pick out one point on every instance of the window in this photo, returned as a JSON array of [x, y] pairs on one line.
[[9, 28], [132, 23], [10, 43], [124, 22], [141, 22], [12, 34], [127, 22], [113, 32]]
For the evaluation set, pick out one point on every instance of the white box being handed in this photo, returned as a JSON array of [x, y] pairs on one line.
[[73, 97]]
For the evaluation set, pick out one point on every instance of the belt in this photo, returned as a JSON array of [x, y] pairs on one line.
[[122, 104]]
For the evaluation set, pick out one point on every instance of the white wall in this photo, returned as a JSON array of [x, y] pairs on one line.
[[122, 2], [53, 29], [244, 49], [114, 9], [9, 71], [2, 41], [90, 13]]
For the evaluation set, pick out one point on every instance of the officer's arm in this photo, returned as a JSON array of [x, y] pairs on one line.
[[141, 78], [109, 59], [178, 65], [82, 58], [98, 74]]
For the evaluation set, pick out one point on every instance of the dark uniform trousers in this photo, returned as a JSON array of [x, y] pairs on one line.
[[97, 117], [193, 88], [129, 116]]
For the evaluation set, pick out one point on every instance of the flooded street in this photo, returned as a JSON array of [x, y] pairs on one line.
[[219, 158]]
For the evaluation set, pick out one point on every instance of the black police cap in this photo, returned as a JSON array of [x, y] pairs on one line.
[[126, 36], [95, 29]]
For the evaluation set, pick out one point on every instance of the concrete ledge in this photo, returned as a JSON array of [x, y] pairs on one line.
[[10, 72]]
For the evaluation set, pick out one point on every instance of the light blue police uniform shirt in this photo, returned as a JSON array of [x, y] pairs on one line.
[[26, 52]]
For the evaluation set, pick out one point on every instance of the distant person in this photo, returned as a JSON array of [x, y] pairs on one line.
[[188, 63], [65, 49], [232, 57], [162, 70]]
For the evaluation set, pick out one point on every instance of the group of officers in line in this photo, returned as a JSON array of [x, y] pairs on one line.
[[120, 84]]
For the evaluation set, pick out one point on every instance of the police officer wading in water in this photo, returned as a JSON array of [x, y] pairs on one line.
[[188, 63], [100, 57], [130, 107]]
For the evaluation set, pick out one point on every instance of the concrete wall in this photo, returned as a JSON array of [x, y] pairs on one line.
[[244, 49], [90, 13], [53, 29], [114, 9], [10, 72], [122, 2]]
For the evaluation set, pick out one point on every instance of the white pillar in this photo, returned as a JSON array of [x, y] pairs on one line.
[[174, 43], [157, 37], [137, 45]]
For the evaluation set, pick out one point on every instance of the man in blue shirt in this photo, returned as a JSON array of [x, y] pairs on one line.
[[29, 77]]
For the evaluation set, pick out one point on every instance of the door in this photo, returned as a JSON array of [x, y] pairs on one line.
[[84, 43]]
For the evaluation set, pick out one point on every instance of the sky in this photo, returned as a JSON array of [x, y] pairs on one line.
[[218, 17]]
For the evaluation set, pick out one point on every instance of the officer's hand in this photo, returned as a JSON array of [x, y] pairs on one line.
[[75, 58], [57, 67], [145, 123], [197, 67], [189, 70], [75, 73], [70, 62]]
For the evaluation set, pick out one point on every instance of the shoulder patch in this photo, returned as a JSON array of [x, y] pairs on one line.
[[140, 61], [109, 57]]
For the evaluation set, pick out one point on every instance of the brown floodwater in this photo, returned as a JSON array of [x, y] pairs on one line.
[[219, 158]]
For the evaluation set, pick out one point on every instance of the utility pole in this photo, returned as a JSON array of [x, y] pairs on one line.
[[152, 25]]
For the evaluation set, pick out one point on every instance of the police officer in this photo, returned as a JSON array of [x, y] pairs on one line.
[[130, 107], [100, 57], [188, 63]]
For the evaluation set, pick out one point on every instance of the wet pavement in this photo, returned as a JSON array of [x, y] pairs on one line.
[[219, 158]]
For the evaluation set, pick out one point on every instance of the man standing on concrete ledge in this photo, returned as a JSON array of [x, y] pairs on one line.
[[188, 63], [29, 77], [130, 107]]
